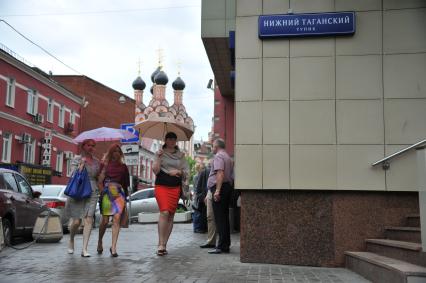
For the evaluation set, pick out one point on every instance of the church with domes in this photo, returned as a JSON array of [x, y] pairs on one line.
[[159, 106]]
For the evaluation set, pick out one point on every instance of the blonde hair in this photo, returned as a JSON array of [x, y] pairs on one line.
[[108, 155]]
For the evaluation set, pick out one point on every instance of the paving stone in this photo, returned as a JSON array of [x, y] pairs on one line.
[[137, 262]]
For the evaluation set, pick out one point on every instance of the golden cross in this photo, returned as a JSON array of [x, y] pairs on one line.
[[160, 56], [139, 66], [179, 66]]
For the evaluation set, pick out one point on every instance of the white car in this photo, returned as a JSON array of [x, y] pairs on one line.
[[144, 201]]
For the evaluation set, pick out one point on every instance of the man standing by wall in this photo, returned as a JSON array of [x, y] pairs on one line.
[[220, 184]]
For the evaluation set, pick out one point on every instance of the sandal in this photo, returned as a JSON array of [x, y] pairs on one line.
[[100, 249], [161, 252]]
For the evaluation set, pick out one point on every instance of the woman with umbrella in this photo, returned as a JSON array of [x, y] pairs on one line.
[[171, 169], [79, 209], [113, 181]]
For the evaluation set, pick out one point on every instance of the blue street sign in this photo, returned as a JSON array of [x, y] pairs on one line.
[[301, 25], [129, 127]]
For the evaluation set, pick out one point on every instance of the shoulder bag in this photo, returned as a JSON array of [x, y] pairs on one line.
[[78, 186]]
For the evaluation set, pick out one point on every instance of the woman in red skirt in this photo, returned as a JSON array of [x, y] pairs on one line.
[[170, 168]]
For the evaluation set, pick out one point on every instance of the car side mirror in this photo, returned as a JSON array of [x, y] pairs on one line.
[[36, 194]]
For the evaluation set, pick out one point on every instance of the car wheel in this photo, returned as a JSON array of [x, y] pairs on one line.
[[182, 207], [7, 231]]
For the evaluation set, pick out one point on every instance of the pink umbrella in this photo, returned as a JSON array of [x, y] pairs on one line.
[[104, 134]]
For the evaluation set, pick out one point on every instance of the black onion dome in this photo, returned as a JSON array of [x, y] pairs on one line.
[[178, 84], [161, 78], [138, 84], [154, 74]]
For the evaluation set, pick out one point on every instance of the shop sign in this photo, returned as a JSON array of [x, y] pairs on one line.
[[303, 25], [130, 148], [36, 175], [47, 148], [131, 159]]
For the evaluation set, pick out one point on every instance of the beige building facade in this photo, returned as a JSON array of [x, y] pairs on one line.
[[312, 115]]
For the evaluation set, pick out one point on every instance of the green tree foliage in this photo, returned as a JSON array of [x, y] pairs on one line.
[[191, 163]]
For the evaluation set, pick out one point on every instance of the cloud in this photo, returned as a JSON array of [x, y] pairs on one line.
[[106, 45]]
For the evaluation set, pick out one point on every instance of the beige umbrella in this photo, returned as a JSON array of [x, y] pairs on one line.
[[158, 127]]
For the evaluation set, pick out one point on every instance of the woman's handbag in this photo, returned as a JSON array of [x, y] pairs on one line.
[[78, 186], [124, 220], [185, 193]]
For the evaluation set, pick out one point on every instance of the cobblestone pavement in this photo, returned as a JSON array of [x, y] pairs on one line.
[[137, 262]]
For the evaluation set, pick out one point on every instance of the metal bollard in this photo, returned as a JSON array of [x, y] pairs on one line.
[[48, 230]]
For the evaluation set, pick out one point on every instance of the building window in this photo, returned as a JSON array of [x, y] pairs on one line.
[[50, 107], [29, 151], [61, 116], [10, 94], [7, 148], [59, 161], [72, 117], [69, 167], [32, 102], [149, 177]]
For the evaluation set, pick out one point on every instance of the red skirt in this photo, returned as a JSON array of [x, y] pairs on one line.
[[167, 198]]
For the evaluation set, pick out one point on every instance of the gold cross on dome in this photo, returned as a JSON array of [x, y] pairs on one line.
[[160, 56], [139, 66], [179, 67]]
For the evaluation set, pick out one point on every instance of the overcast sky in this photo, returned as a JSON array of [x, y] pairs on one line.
[[104, 39]]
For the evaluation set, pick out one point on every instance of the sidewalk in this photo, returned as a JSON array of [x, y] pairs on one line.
[[137, 262]]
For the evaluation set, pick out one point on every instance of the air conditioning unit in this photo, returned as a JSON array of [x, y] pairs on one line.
[[69, 127], [68, 154], [38, 118], [25, 138]]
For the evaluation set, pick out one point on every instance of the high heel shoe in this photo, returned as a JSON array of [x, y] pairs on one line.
[[70, 247], [85, 254], [113, 254], [99, 249]]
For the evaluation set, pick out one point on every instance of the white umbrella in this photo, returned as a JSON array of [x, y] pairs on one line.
[[104, 134], [158, 127]]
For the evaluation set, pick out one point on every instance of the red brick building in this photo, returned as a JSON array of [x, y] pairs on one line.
[[103, 106], [38, 119], [223, 120]]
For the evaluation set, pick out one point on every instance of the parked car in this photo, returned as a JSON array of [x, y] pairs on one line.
[[54, 198], [19, 205], [144, 201]]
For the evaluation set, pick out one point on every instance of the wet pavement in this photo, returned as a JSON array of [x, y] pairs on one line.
[[137, 262]]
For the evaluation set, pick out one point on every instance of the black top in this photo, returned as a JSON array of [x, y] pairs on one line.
[[201, 189], [165, 179]]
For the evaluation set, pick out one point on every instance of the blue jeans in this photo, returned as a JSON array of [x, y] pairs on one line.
[[199, 221]]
